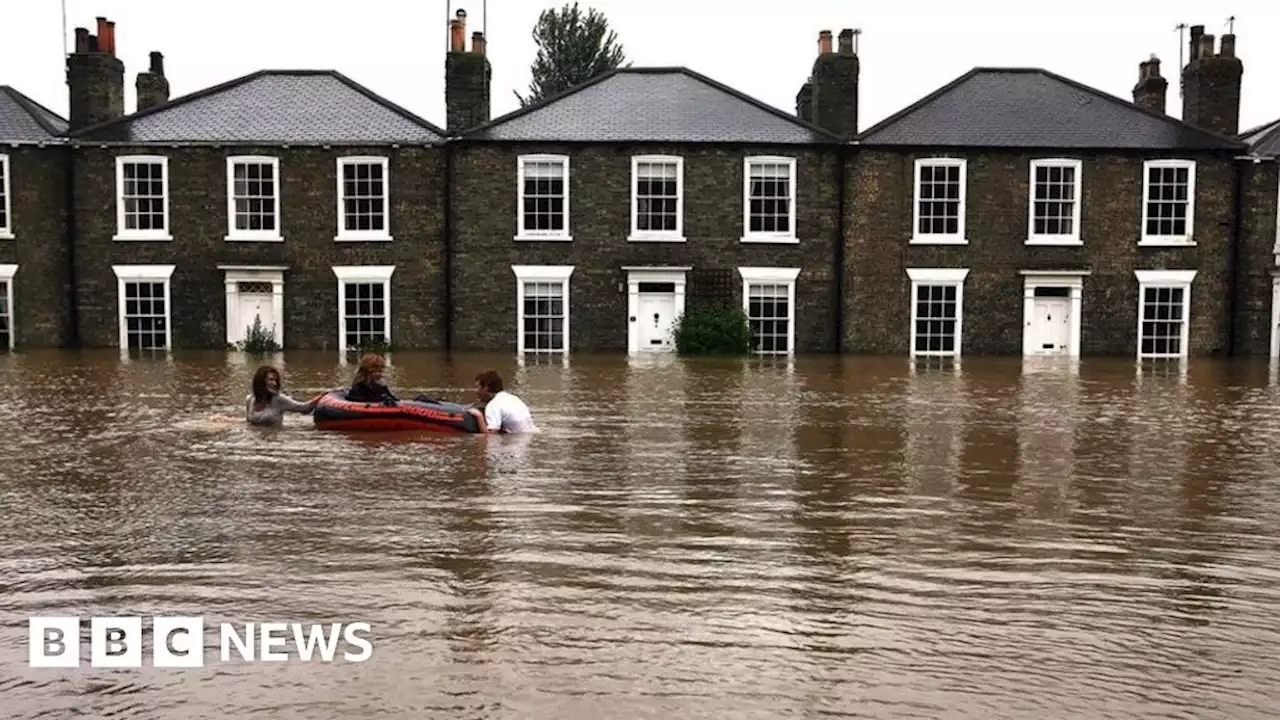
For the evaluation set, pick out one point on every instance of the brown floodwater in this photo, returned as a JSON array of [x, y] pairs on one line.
[[831, 537]]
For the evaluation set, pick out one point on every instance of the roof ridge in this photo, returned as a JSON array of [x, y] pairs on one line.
[[652, 70], [1074, 84]]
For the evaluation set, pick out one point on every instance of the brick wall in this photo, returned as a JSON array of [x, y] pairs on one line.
[[599, 198], [1260, 195], [42, 286], [308, 207], [879, 197]]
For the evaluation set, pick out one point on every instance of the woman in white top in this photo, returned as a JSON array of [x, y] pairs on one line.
[[503, 412], [266, 405]]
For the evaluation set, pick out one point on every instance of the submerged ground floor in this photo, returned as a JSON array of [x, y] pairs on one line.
[[941, 311]]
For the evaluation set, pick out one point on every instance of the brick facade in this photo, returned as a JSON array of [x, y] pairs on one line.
[[41, 314], [308, 202], [879, 202], [485, 212]]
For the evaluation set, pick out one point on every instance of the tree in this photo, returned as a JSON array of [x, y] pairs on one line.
[[572, 49]]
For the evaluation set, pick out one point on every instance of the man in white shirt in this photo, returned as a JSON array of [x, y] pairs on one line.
[[503, 412]]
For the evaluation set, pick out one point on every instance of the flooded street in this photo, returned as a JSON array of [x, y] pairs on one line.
[[837, 537]]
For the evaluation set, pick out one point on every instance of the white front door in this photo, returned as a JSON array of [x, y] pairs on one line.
[[1050, 326], [656, 320], [254, 306]]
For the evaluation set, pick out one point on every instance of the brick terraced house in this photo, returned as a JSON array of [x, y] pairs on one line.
[[1012, 211]]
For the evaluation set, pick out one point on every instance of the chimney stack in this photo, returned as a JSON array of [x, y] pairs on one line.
[[152, 86], [804, 101], [1151, 90], [95, 77], [1211, 85], [833, 86], [466, 78]]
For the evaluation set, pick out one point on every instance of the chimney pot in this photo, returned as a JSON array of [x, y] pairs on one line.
[[477, 42], [93, 43], [157, 63], [846, 42], [1196, 32], [824, 42], [111, 38], [457, 42], [82, 40], [1206, 46], [1228, 48]]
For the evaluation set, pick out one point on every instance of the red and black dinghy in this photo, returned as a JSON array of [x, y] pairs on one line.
[[335, 412]]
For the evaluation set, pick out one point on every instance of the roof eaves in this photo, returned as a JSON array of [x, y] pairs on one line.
[[175, 102], [386, 103], [475, 132]]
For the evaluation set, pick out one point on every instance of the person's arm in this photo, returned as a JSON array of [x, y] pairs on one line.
[[288, 404], [493, 417]]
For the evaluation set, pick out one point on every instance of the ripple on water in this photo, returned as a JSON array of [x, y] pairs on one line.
[[837, 538]]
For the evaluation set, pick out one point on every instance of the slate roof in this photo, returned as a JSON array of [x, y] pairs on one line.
[[269, 107], [1264, 140], [25, 120], [1034, 108], [672, 104]]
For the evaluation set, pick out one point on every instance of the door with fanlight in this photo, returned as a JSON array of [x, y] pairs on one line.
[[255, 304]]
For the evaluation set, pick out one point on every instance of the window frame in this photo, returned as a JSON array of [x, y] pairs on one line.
[[929, 277], [362, 274], [126, 274], [638, 235], [345, 235], [234, 234], [1187, 240], [126, 235], [1072, 238], [6, 197], [772, 276], [1154, 279], [542, 274], [7, 271], [957, 238], [792, 236], [524, 234]]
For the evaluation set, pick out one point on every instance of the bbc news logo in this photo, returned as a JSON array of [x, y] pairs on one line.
[[178, 642]]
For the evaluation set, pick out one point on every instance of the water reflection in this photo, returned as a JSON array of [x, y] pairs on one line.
[[728, 538]]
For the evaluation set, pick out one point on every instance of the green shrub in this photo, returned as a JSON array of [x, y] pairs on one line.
[[713, 330], [258, 339]]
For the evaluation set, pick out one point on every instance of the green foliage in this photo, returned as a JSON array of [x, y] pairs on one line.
[[258, 339], [713, 330], [572, 49]]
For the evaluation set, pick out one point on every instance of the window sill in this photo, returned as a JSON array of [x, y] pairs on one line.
[[362, 238], [1055, 242], [644, 237], [1166, 242], [938, 240], [771, 239], [126, 237], [243, 238], [6, 235], [544, 238]]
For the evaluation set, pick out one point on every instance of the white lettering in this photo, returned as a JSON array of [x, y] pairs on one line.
[[115, 642], [268, 642], [53, 642], [353, 639], [328, 645], [231, 637]]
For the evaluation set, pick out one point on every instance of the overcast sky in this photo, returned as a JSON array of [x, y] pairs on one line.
[[396, 47]]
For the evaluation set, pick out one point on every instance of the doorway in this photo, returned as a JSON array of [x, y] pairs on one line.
[[655, 301]]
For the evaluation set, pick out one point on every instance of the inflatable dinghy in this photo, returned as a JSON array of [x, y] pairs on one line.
[[335, 412]]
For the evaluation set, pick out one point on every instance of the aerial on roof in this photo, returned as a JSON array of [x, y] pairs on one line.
[[652, 104], [273, 106], [25, 120], [1034, 108], [1264, 140]]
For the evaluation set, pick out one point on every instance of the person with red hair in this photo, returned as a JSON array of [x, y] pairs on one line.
[[368, 386]]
